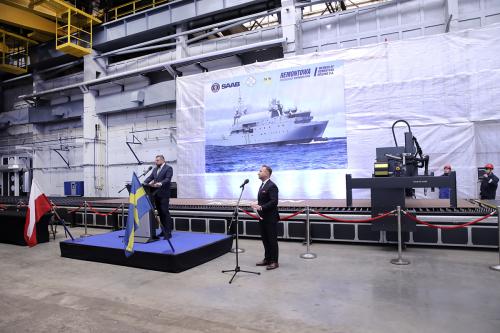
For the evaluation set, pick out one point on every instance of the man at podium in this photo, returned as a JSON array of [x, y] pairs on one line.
[[160, 181]]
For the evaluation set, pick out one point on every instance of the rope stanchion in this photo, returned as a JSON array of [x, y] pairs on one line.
[[414, 218], [354, 221], [85, 205], [497, 267], [123, 216], [20, 204], [308, 254], [399, 260]]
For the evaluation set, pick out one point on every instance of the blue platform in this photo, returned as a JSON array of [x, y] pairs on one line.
[[191, 249]]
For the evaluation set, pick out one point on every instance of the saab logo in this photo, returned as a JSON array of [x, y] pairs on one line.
[[230, 85], [215, 87]]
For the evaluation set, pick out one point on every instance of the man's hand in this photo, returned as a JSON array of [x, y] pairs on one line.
[[256, 207], [485, 175], [156, 185]]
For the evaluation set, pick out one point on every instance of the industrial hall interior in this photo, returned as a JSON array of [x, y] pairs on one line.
[[252, 166]]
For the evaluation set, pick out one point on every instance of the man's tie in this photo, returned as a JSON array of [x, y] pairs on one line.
[[261, 186], [158, 172]]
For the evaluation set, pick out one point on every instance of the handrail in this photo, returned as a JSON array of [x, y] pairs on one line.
[[156, 67], [114, 12]]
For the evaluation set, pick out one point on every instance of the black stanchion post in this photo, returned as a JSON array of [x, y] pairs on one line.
[[497, 267], [308, 254], [399, 260], [86, 234], [123, 216]]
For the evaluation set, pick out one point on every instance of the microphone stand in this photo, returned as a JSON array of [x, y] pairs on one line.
[[237, 268], [143, 174]]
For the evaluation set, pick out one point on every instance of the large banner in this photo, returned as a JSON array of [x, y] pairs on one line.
[[316, 117], [289, 119], [288, 115]]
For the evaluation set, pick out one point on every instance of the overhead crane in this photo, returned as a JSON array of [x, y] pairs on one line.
[[47, 19]]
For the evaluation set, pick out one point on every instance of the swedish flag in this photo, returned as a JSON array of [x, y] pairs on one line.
[[139, 205]]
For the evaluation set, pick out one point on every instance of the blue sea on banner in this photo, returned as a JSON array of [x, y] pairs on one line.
[[328, 154]]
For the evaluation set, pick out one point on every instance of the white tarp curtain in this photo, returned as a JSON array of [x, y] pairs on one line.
[[446, 86]]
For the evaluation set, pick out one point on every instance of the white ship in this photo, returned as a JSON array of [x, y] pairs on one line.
[[277, 126]]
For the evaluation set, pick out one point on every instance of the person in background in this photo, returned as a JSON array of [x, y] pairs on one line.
[[444, 192], [489, 184]]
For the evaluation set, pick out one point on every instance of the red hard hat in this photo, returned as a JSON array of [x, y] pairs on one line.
[[489, 166], [447, 166]]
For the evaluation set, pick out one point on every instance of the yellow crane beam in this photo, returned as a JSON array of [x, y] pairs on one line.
[[25, 19], [72, 27], [33, 6], [59, 6], [40, 36]]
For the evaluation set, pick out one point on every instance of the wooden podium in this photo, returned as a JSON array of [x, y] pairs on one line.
[[146, 232]]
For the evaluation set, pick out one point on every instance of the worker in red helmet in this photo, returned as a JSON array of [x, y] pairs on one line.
[[489, 183], [444, 192]]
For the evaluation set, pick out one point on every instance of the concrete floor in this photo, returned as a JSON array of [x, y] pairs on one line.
[[348, 288]]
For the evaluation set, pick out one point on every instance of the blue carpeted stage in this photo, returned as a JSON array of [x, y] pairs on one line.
[[191, 249]]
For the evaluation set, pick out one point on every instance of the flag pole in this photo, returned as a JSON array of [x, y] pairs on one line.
[[61, 221]]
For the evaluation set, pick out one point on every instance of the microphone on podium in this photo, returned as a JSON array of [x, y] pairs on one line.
[[244, 183], [146, 171]]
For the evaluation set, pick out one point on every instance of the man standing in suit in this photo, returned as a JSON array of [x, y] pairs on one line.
[[160, 179], [267, 207]]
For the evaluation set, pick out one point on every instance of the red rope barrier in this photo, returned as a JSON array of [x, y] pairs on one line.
[[281, 219], [291, 216], [414, 218], [75, 210], [99, 213], [353, 221], [250, 214], [3, 207], [69, 211]]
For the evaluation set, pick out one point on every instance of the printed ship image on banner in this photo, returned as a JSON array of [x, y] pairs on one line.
[[291, 118], [276, 126]]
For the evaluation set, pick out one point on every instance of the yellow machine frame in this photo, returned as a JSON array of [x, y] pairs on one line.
[[73, 29], [14, 57]]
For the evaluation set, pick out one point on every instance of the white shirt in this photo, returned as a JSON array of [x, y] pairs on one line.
[[159, 169], [264, 182]]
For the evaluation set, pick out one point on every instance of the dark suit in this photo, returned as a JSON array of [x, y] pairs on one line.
[[268, 200], [162, 195]]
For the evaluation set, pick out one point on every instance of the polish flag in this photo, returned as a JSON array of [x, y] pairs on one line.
[[39, 204]]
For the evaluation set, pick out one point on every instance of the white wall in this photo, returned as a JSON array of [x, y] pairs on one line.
[[154, 128], [49, 170]]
